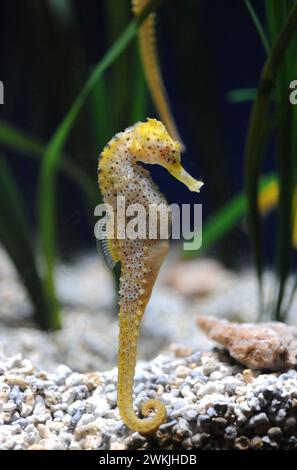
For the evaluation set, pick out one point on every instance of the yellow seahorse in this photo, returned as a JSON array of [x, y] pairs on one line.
[[149, 57], [121, 175]]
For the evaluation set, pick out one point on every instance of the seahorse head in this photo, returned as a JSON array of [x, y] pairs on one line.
[[152, 144]]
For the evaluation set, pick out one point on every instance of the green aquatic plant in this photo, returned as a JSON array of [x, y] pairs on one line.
[[276, 76], [272, 115], [16, 236]]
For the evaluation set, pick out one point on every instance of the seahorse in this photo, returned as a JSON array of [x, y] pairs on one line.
[[120, 174], [149, 57]]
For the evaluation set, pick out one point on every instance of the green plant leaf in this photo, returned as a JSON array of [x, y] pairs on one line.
[[140, 95], [284, 235], [258, 25], [120, 78], [100, 108], [15, 139], [63, 9], [241, 95], [257, 134], [46, 185], [225, 219], [16, 237], [277, 14]]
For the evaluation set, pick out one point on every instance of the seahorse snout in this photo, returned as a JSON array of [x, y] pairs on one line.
[[182, 175]]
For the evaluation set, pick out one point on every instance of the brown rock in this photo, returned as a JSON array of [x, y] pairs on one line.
[[271, 345]]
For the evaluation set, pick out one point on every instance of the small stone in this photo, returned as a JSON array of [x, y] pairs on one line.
[[75, 406], [253, 403], [230, 433], [189, 415], [112, 398], [92, 442], [293, 440], [22, 422], [182, 428], [52, 444], [9, 406], [44, 431], [256, 443], [15, 361], [63, 371], [168, 425], [196, 440], [182, 372], [242, 443], [180, 403], [162, 380], [94, 378], [180, 351], [219, 423], [37, 447], [187, 443], [75, 379], [76, 417], [15, 380], [86, 419], [247, 376], [139, 388], [290, 424], [261, 418], [245, 407], [117, 446], [58, 415], [216, 375], [55, 426], [211, 411], [204, 423], [280, 416], [266, 440], [69, 396], [275, 433], [187, 393], [74, 445], [100, 405], [84, 430]]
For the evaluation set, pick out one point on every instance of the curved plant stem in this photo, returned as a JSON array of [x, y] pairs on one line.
[[15, 139], [226, 218], [258, 26], [256, 138]]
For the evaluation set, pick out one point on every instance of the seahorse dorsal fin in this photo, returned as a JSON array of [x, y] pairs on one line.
[[104, 246]]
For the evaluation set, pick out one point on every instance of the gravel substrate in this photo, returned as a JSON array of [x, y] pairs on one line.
[[212, 403]]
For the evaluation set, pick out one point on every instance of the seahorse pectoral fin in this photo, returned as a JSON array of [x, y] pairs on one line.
[[104, 245], [182, 175]]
